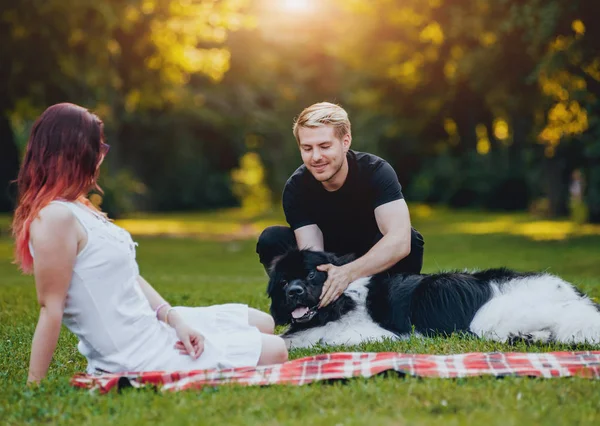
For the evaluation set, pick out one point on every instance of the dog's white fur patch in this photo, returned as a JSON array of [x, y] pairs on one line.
[[543, 306], [353, 328]]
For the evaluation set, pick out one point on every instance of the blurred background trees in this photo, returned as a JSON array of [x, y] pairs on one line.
[[476, 103]]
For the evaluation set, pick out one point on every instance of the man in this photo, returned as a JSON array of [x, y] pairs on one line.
[[345, 202]]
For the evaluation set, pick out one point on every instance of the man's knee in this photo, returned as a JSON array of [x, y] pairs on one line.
[[273, 236], [274, 241]]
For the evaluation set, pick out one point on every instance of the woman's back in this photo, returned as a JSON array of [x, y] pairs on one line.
[[105, 306]]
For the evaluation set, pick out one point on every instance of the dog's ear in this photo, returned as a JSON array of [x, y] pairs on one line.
[[277, 306], [276, 295], [342, 260], [271, 268]]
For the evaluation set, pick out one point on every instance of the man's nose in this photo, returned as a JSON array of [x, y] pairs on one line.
[[316, 155]]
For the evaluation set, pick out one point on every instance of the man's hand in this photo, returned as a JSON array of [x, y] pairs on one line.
[[338, 279]]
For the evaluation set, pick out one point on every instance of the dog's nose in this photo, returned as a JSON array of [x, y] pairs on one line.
[[295, 289]]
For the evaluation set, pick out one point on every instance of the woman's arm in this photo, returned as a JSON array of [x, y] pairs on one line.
[[54, 237], [192, 342]]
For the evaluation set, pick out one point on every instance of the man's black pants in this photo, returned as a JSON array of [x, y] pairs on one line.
[[277, 240]]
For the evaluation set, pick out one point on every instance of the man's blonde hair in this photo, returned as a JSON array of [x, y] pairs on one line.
[[323, 114]]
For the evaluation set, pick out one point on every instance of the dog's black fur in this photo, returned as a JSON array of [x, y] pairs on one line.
[[430, 304]]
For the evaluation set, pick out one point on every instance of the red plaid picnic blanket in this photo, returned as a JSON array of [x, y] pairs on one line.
[[342, 365]]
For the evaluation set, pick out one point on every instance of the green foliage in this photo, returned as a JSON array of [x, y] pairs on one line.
[[129, 62], [249, 185], [183, 86], [485, 181], [120, 190]]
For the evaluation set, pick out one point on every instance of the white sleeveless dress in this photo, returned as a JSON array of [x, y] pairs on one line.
[[118, 330]]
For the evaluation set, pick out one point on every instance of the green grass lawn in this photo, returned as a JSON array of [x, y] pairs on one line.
[[213, 261]]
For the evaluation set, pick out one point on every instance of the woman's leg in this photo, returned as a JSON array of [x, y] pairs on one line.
[[273, 350], [261, 320]]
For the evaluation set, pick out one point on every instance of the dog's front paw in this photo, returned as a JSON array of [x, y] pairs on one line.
[[540, 336], [516, 338]]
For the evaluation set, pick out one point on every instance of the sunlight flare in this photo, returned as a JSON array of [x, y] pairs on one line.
[[297, 5]]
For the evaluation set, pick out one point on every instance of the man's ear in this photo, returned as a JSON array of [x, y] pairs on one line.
[[347, 141]]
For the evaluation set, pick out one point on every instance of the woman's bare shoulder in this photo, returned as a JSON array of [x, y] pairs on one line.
[[53, 218]]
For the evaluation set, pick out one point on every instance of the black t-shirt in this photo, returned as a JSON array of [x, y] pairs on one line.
[[346, 216]]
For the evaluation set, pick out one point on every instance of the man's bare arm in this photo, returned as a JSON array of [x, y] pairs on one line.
[[393, 220], [309, 237]]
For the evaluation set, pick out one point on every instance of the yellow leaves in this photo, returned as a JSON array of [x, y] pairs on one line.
[[178, 57], [578, 27], [249, 184], [359, 7], [251, 171], [457, 52], [450, 68], [560, 43], [407, 73], [488, 38], [76, 37], [132, 14], [483, 141], [452, 129], [564, 119], [593, 69], [432, 33], [113, 47], [176, 32], [19, 31], [392, 51], [148, 6], [212, 62], [287, 92], [365, 97], [406, 16], [132, 100], [561, 85], [501, 129]]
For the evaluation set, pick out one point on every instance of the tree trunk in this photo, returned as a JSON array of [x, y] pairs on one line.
[[9, 165], [521, 126], [592, 191], [557, 185]]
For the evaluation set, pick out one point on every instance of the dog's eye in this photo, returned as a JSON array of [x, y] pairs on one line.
[[284, 283], [312, 274]]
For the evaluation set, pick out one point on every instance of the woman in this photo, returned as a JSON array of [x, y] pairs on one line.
[[87, 277]]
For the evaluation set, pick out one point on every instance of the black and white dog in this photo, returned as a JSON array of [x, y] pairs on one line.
[[496, 304]]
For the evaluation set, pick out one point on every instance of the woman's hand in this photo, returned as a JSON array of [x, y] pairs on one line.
[[190, 341]]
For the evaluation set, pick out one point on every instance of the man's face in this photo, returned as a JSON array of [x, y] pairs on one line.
[[322, 153]]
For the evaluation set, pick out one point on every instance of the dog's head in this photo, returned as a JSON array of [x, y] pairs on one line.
[[295, 284]]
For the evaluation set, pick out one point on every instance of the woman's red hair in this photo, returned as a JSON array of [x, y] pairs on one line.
[[61, 162]]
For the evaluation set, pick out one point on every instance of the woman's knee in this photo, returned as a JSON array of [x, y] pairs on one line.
[[274, 350], [261, 320]]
